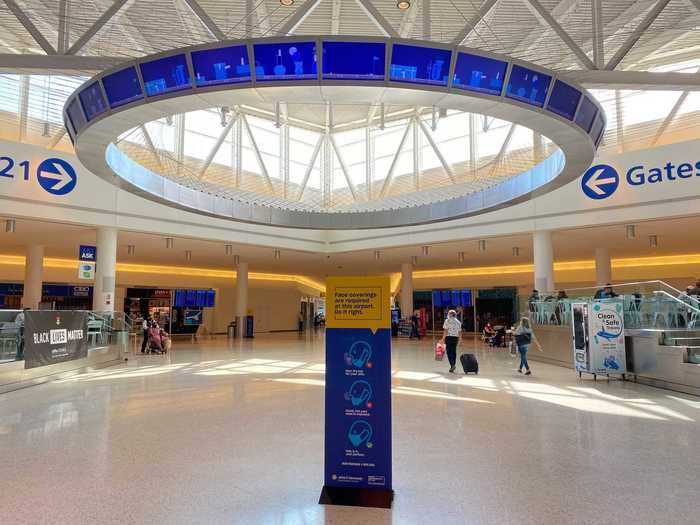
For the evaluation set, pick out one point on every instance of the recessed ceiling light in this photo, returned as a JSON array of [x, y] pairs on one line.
[[287, 3], [403, 5]]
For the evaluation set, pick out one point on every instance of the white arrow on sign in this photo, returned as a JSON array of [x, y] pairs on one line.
[[63, 177], [595, 182]]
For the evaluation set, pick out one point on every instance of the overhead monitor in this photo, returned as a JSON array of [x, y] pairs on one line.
[[76, 115], [165, 75], [586, 114], [226, 65], [421, 65], [598, 129], [122, 87], [93, 101], [353, 60], [564, 100], [528, 86], [285, 61], [480, 74]]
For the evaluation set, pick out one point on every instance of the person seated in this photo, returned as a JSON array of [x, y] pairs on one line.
[[605, 293], [166, 341], [155, 344], [499, 338], [488, 332]]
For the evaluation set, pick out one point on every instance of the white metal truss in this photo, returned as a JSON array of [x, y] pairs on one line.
[[205, 19], [258, 155], [471, 24], [225, 132], [376, 16], [296, 19], [95, 28], [394, 161], [38, 37]]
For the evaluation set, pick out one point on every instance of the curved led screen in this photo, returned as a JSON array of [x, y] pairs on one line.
[[528, 86], [586, 114], [564, 100], [480, 74], [165, 75], [285, 61], [226, 65], [93, 101], [75, 115], [122, 87], [353, 60], [422, 65], [598, 129]]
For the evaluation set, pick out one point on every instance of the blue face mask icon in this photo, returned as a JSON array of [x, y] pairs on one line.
[[359, 354], [359, 393], [360, 432]]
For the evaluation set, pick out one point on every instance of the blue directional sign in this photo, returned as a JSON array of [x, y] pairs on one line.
[[600, 181], [88, 253], [56, 176]]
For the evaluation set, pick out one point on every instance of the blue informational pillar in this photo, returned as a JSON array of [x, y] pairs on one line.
[[358, 393]]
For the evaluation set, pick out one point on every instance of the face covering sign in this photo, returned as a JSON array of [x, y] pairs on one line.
[[52, 337], [606, 337], [358, 393]]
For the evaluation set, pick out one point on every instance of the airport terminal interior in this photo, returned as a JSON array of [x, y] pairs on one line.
[[289, 262]]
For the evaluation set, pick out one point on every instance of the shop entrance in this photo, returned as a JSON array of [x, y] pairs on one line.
[[496, 306]]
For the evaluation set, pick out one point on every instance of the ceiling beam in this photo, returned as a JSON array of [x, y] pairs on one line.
[[636, 34], [38, 64], [375, 16], [205, 19], [97, 26], [217, 145], [335, 17], [30, 27], [56, 138], [666, 81], [390, 175], [343, 166], [409, 20], [310, 166], [473, 21], [258, 155], [296, 19], [547, 17], [438, 153]]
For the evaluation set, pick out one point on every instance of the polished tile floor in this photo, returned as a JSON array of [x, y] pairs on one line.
[[233, 433]]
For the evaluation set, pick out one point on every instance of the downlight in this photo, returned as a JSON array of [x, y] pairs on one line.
[[403, 5], [287, 3]]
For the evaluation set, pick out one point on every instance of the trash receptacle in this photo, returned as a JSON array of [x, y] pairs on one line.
[[232, 329]]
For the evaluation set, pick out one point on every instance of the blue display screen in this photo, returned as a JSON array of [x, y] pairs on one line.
[[165, 75], [221, 66], [93, 101], [422, 65], [564, 100], [475, 73], [466, 297], [76, 116], [598, 129], [528, 86], [446, 298], [122, 87], [289, 61], [353, 60], [586, 114], [437, 299]]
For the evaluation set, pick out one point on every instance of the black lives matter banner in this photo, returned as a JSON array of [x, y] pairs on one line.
[[52, 337]]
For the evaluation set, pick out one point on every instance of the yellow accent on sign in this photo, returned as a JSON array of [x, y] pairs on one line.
[[358, 302]]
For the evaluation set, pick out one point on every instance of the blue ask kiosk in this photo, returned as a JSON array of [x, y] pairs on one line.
[[358, 393]]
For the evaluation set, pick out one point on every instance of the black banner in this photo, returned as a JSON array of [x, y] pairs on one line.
[[52, 337]]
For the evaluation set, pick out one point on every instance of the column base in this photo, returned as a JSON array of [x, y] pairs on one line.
[[376, 498]]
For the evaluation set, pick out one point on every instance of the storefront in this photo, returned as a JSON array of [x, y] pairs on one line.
[[53, 297], [180, 311]]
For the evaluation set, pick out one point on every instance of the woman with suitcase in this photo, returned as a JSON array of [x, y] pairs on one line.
[[524, 336], [451, 337]]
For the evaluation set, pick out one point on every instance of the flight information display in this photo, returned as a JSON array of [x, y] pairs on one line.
[[564, 100], [598, 129], [165, 75], [221, 66], [93, 101], [421, 65], [285, 61], [75, 115], [122, 87], [586, 114], [354, 60], [528, 86], [481, 74]]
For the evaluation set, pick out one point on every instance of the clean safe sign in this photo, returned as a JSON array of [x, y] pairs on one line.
[[52, 337], [606, 337], [358, 391]]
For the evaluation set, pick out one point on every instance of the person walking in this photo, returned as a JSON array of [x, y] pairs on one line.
[[451, 337], [524, 336], [145, 325]]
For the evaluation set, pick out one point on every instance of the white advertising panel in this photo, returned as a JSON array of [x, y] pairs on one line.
[[606, 337]]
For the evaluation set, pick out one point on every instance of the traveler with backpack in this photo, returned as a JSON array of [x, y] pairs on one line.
[[524, 336], [451, 337]]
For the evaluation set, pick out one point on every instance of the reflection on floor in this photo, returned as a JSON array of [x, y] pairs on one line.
[[221, 432]]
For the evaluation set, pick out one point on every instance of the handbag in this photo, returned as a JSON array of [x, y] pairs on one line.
[[523, 339], [439, 351]]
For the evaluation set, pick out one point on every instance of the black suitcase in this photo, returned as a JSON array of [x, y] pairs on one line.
[[469, 363]]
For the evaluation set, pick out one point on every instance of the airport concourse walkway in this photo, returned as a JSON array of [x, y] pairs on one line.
[[221, 432]]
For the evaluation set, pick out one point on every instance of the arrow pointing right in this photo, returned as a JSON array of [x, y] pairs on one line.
[[62, 177]]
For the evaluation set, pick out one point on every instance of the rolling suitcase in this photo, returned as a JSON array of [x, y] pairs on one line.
[[469, 363]]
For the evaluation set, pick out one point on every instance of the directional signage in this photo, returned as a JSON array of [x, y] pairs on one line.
[[600, 181], [88, 253], [56, 176]]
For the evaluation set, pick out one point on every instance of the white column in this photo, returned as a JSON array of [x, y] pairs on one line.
[[406, 290], [33, 276], [106, 271], [241, 296], [603, 267], [544, 261]]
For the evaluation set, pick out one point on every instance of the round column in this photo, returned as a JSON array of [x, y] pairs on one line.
[[544, 261], [106, 270], [33, 277], [406, 290], [603, 266], [241, 296]]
